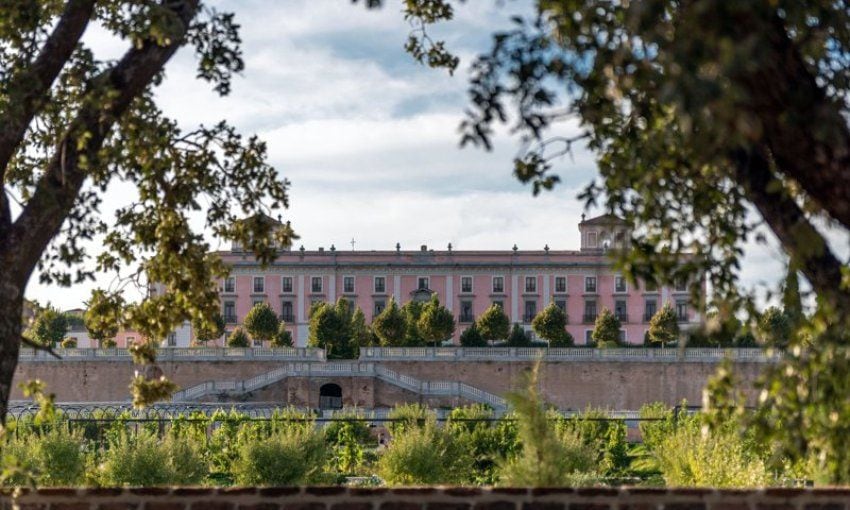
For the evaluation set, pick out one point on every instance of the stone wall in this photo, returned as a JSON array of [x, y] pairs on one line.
[[567, 384], [441, 498]]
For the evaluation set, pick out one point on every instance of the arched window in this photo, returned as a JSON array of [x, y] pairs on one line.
[[330, 396]]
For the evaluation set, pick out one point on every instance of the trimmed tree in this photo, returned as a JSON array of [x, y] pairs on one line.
[[550, 324], [49, 327], [518, 337], [208, 330], [261, 322], [328, 330], [775, 327], [361, 335], [238, 338], [436, 323], [664, 326], [412, 311], [606, 331], [471, 337], [389, 326], [494, 324]]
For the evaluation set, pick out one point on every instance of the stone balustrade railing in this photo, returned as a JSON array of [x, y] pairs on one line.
[[562, 354], [181, 354]]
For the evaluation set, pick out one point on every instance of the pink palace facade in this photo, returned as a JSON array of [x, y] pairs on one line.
[[523, 282]]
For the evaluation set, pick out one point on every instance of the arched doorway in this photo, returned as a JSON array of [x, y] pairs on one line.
[[330, 396]]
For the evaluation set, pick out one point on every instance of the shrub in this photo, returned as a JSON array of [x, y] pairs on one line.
[[347, 437], [289, 456], [547, 458], [471, 337], [486, 441], [143, 459], [283, 338], [518, 337], [69, 343], [49, 457], [664, 326], [436, 323], [604, 436], [238, 339], [407, 416], [691, 457], [424, 455], [390, 325]]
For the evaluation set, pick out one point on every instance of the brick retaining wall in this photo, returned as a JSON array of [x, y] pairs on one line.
[[443, 498]]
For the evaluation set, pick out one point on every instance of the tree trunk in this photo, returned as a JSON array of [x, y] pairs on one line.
[[11, 310]]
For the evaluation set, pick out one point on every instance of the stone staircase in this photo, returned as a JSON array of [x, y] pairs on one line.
[[341, 369]]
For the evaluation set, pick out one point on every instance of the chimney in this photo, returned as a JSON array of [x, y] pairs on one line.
[[321, 249]]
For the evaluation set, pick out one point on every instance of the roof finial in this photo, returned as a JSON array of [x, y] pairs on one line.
[[333, 248], [450, 247], [515, 248], [397, 247], [546, 248], [582, 217]]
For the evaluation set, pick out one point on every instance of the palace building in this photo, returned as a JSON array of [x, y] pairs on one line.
[[582, 282]]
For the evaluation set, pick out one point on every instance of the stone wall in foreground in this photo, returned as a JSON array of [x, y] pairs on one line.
[[442, 498]]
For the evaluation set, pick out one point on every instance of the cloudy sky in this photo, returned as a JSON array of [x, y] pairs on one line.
[[369, 138]]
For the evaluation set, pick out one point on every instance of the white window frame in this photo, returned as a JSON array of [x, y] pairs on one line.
[[254, 285], [321, 285], [283, 287], [471, 285], [233, 288], [566, 282], [493, 284], [427, 282], [595, 284], [353, 284], [592, 239], [525, 284], [375, 285], [625, 284]]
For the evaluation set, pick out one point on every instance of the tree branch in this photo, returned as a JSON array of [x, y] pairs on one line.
[[39, 347], [28, 88], [109, 96], [803, 127], [806, 246]]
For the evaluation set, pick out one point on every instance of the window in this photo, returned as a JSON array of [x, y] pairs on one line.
[[259, 284], [466, 312], [466, 284], [531, 284], [622, 336], [424, 284], [682, 311], [498, 284], [588, 336], [380, 304], [499, 303], [229, 312], [530, 311], [561, 284], [681, 284], [257, 301], [286, 311], [286, 284], [316, 284], [591, 239], [620, 310], [258, 342], [562, 304], [619, 284], [590, 284], [348, 284], [589, 311], [172, 339], [380, 285], [230, 285], [649, 309]]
